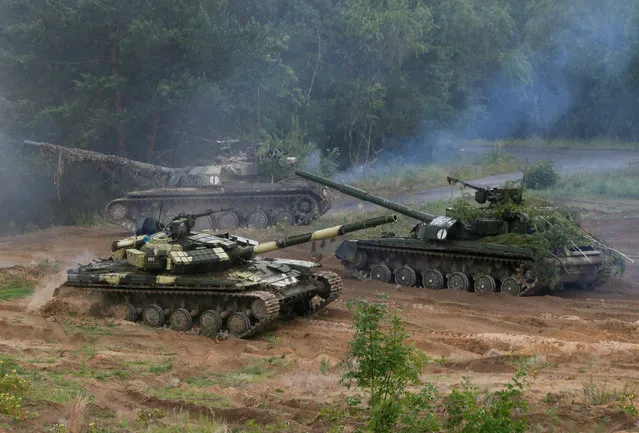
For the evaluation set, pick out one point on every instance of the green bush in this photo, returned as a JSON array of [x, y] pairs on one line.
[[382, 362], [541, 176], [12, 389]]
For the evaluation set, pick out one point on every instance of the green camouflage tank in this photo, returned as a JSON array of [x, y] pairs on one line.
[[496, 247], [215, 282]]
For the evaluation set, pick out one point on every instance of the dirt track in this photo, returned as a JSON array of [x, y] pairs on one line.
[[566, 161], [573, 338]]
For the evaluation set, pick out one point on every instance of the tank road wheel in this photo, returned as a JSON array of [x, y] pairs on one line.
[[259, 309], [181, 320], [381, 273], [130, 312], [211, 322], [485, 284], [117, 211], [239, 324], [406, 276], [153, 316], [284, 217], [203, 223], [458, 281], [228, 220], [511, 285], [433, 279], [359, 259], [257, 220], [304, 210]]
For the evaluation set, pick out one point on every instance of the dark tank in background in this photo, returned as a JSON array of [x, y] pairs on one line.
[[232, 181], [215, 282], [494, 250]]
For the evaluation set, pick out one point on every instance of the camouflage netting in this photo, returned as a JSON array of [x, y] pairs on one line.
[[548, 232]]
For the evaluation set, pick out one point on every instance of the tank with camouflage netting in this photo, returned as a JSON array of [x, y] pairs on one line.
[[214, 282], [505, 245], [235, 180]]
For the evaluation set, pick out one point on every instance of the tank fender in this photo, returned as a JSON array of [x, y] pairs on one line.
[[346, 250]]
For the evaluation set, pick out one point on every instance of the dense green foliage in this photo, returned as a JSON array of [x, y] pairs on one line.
[[142, 77], [541, 176], [544, 229], [382, 362], [359, 80]]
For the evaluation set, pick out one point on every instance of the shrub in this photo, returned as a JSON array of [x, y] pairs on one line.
[[541, 176], [12, 389], [381, 361]]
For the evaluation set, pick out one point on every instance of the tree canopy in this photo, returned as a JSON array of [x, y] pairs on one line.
[[351, 77]]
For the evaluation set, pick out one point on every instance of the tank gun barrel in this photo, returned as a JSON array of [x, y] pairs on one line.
[[326, 233], [452, 180], [75, 154], [366, 196]]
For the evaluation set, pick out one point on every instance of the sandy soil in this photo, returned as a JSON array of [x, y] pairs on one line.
[[573, 338]]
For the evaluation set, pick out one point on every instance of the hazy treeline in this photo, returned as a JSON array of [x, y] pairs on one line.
[[139, 78]]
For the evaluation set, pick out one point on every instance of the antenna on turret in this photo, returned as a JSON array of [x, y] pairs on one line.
[[166, 184], [523, 181]]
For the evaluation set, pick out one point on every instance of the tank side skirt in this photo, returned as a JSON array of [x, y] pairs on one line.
[[247, 202], [517, 263], [270, 299]]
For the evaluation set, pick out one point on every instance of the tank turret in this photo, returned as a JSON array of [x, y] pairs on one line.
[[486, 249], [212, 282], [234, 179], [494, 196]]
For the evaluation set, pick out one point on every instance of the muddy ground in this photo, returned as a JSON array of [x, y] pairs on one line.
[[576, 340]]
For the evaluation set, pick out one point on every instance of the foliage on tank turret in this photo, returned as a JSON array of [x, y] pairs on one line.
[[545, 229]]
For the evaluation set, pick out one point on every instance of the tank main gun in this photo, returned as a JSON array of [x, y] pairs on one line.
[[494, 196], [366, 196], [321, 234], [213, 174], [76, 155], [193, 252]]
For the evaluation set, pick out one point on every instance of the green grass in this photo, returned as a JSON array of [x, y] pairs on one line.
[[537, 142], [191, 395], [406, 177], [14, 287], [614, 185], [161, 368], [52, 386], [89, 328]]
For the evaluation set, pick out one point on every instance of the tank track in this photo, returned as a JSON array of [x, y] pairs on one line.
[[334, 283], [244, 205], [516, 265], [274, 306]]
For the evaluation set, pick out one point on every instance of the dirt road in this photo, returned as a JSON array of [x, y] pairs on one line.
[[575, 341], [566, 161]]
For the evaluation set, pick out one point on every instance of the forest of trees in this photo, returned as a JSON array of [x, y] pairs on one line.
[[140, 77]]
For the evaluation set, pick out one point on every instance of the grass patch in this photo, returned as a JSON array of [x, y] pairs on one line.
[[191, 395], [542, 143], [54, 387], [89, 328], [617, 184], [161, 368], [401, 176], [14, 287], [598, 394], [252, 372]]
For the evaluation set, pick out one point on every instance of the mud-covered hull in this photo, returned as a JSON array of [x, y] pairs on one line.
[[257, 205], [465, 265], [241, 302]]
